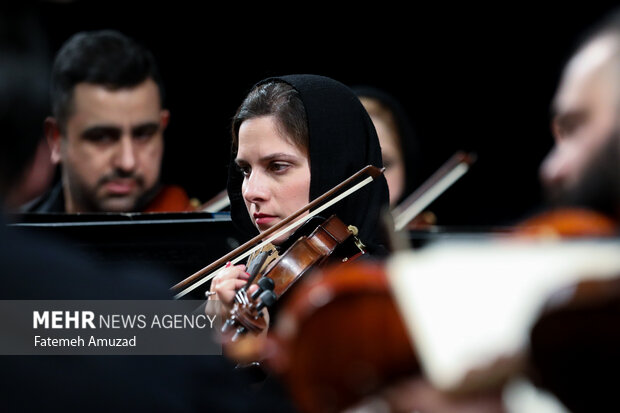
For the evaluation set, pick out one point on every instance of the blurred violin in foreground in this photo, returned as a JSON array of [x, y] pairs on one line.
[[568, 223], [456, 324], [339, 338]]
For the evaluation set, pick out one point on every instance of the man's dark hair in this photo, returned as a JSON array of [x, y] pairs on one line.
[[107, 58]]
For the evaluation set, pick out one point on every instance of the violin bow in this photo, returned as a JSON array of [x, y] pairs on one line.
[[434, 186], [217, 203], [284, 226]]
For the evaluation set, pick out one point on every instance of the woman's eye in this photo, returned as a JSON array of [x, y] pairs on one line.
[[279, 167], [244, 169]]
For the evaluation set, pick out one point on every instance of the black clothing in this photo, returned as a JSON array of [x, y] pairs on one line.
[[52, 200], [573, 347], [342, 141], [43, 269], [164, 198]]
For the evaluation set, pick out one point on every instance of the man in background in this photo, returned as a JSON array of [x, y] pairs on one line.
[[107, 129]]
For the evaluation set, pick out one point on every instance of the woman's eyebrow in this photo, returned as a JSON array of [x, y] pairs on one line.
[[267, 158], [278, 155]]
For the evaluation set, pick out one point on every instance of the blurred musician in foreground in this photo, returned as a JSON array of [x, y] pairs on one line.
[[575, 341], [583, 168], [107, 129], [571, 350]]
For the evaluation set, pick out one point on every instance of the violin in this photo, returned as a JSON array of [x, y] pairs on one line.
[[568, 223], [305, 254], [171, 198]]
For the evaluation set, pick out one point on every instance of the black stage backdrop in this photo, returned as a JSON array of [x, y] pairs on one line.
[[472, 77]]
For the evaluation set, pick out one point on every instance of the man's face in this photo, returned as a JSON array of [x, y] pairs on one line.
[[112, 147], [584, 166]]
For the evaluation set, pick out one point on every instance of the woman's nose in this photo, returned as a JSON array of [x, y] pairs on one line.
[[255, 187]]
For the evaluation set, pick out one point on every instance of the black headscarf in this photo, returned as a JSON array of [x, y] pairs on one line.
[[342, 141], [409, 143]]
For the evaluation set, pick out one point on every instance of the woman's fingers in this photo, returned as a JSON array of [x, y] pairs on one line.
[[226, 289], [252, 288], [230, 272], [225, 285]]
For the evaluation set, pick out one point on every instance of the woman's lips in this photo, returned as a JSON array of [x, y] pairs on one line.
[[264, 220]]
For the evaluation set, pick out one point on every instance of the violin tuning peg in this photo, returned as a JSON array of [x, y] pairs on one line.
[[267, 298], [227, 325], [264, 284], [238, 333], [267, 283]]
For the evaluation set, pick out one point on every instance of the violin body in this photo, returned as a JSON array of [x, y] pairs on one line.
[[574, 345], [303, 255], [569, 223]]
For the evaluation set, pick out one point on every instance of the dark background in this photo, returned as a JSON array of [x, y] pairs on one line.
[[476, 78]]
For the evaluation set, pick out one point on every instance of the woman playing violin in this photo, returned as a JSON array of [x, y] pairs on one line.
[[293, 138]]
